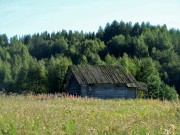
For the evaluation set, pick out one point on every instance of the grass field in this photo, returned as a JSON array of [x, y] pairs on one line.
[[46, 115]]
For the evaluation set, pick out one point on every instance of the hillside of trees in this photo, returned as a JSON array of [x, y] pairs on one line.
[[38, 63]]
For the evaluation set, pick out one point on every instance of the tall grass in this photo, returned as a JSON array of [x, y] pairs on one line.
[[58, 115]]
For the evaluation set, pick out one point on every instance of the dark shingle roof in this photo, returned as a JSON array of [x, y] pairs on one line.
[[104, 74]]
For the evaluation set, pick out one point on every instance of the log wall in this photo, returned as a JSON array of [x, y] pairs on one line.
[[73, 87], [108, 91]]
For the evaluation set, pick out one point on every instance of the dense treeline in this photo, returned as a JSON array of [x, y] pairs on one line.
[[38, 63]]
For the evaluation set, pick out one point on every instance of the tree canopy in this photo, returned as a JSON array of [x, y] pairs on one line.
[[38, 63]]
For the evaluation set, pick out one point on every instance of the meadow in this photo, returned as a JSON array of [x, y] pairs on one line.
[[59, 115]]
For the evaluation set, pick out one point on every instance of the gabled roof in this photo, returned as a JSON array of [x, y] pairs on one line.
[[104, 74]]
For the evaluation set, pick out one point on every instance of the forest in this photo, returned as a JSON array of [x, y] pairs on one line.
[[38, 63]]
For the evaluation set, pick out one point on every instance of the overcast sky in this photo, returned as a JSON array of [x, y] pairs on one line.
[[31, 16]]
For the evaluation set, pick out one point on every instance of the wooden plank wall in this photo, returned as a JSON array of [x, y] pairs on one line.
[[73, 87], [108, 91]]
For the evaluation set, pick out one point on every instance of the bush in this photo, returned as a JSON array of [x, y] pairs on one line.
[[170, 93]]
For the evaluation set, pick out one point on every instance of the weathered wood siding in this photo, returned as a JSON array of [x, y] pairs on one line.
[[131, 93], [73, 86], [108, 91], [84, 90]]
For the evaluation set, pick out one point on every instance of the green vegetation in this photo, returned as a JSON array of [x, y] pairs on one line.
[[50, 114], [38, 63]]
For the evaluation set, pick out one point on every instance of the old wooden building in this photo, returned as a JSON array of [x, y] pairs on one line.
[[101, 81]]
